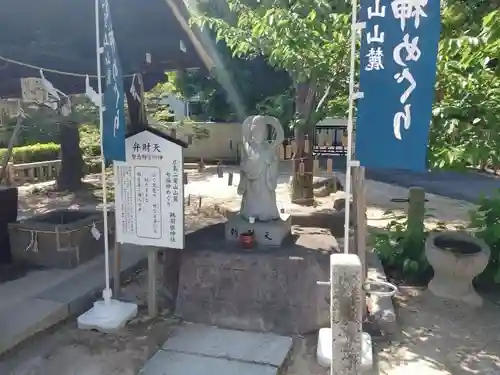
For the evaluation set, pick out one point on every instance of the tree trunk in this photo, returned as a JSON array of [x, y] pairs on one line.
[[136, 109], [302, 184], [70, 177]]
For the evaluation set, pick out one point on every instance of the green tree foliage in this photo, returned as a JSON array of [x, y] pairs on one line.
[[253, 81], [466, 114], [309, 40]]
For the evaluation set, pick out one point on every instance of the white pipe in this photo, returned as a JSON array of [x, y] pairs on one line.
[[350, 128], [106, 293]]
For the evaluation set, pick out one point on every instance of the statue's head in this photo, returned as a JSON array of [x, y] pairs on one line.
[[258, 129]]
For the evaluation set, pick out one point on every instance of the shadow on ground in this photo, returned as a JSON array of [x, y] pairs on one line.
[[443, 337]]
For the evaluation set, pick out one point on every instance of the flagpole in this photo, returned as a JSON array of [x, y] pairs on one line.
[[106, 293], [350, 127]]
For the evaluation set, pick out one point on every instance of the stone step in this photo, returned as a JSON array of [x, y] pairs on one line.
[[27, 318], [199, 349], [262, 348], [173, 363]]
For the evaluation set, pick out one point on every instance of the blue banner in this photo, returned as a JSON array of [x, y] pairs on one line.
[[397, 77], [113, 134]]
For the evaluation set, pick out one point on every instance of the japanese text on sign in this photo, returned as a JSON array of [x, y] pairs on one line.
[[376, 38], [399, 45], [405, 10], [146, 151], [148, 202], [126, 220], [152, 192], [402, 10]]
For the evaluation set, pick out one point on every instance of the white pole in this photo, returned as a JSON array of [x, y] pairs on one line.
[[350, 127], [106, 293]]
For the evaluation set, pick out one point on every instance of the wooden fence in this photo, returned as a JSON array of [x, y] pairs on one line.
[[41, 171]]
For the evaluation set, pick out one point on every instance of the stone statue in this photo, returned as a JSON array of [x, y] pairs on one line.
[[260, 168]]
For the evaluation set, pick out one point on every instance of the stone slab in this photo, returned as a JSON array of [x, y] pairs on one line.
[[172, 363], [261, 348], [80, 291], [77, 290], [26, 318], [271, 233]]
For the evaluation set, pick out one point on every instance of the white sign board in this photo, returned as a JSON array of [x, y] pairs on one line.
[[149, 192], [9, 108], [32, 90]]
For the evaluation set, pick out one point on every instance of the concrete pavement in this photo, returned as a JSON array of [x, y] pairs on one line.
[[42, 299]]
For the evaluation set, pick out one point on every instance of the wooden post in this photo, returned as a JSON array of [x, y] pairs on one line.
[[416, 214], [220, 173], [329, 165], [152, 300], [8, 154], [201, 165], [316, 166], [116, 269], [282, 152]]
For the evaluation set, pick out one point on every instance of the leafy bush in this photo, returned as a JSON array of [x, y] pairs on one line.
[[485, 223], [89, 144], [33, 153], [401, 252]]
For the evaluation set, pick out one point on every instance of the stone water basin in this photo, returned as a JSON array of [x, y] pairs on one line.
[[58, 239]]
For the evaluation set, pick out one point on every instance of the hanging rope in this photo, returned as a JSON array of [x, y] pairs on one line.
[[33, 245], [60, 72]]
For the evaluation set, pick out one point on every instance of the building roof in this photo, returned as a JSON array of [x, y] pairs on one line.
[[60, 35], [160, 134]]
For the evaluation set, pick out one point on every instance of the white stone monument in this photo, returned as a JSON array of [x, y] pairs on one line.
[[258, 181]]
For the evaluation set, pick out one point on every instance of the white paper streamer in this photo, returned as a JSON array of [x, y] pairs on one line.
[[91, 93]]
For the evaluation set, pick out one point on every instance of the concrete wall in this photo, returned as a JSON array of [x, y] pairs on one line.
[[222, 142], [224, 139]]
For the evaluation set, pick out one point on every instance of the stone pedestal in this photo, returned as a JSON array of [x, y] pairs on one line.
[[267, 233], [262, 289]]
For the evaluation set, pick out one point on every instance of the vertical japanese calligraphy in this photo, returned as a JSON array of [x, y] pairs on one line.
[[148, 202], [398, 67], [126, 218], [149, 192], [113, 136]]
